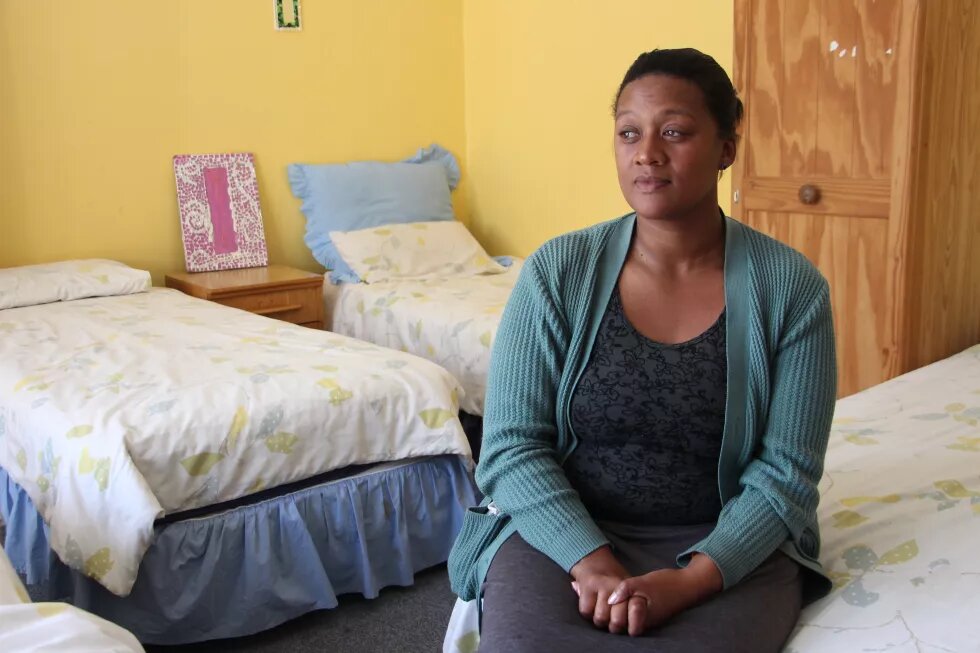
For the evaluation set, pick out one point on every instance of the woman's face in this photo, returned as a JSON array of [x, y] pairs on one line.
[[668, 150]]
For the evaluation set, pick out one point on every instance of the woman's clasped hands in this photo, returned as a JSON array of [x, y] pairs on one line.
[[612, 599]]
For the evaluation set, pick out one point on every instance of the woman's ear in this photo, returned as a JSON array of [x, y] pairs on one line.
[[727, 154]]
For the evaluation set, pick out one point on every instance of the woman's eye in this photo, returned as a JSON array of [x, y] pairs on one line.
[[628, 134], [673, 133]]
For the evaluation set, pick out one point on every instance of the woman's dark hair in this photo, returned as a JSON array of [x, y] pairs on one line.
[[699, 69]]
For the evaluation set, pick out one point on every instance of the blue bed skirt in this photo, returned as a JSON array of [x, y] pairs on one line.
[[255, 566]]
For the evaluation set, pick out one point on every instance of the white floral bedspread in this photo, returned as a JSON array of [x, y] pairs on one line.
[[451, 321], [28, 627], [117, 410], [899, 517]]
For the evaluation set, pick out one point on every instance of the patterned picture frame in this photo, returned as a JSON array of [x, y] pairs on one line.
[[220, 216], [287, 13]]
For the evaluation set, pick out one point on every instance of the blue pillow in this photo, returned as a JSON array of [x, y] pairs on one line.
[[348, 196]]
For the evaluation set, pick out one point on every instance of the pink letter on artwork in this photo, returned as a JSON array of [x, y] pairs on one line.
[[219, 206]]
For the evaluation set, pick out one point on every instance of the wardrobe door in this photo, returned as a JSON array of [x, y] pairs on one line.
[[819, 80]]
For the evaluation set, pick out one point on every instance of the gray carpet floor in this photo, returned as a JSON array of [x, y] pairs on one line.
[[401, 619]]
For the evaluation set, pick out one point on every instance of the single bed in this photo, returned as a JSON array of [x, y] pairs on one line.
[[899, 516], [403, 272], [191, 471], [451, 321]]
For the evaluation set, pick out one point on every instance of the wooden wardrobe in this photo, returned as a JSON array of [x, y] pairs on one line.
[[861, 149]]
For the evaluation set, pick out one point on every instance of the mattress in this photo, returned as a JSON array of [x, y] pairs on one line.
[[116, 411], [451, 321]]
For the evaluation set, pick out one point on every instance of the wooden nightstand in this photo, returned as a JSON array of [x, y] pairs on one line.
[[275, 291]]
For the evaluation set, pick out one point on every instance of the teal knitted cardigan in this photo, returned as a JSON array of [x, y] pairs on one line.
[[780, 400]]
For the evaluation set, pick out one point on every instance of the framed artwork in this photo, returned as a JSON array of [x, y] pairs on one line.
[[220, 217], [287, 14]]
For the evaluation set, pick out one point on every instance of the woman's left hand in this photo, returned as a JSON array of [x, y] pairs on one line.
[[653, 598], [656, 597]]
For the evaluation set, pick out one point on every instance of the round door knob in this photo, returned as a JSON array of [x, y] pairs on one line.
[[809, 194]]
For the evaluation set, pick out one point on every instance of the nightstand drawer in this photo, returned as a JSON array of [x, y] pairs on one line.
[[276, 291], [295, 305]]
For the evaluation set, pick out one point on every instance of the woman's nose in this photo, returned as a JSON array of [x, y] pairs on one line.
[[650, 151]]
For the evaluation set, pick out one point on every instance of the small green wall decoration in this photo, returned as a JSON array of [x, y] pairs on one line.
[[287, 14]]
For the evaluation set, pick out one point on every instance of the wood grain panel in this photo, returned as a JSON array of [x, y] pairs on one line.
[[835, 83], [878, 27], [943, 312], [800, 61], [905, 159], [761, 94], [745, 17], [850, 254], [868, 198]]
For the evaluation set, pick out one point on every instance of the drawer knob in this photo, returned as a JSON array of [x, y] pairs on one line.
[[809, 194]]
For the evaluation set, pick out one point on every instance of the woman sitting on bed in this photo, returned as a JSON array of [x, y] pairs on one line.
[[658, 408]]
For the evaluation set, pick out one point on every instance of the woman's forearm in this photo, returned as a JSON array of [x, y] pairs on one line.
[[703, 577]]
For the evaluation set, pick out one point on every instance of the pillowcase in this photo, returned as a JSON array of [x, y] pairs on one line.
[[66, 280], [412, 251], [349, 196]]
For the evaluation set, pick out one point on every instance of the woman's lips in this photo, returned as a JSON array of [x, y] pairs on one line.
[[650, 184]]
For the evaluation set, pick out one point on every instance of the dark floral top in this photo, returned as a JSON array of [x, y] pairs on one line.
[[649, 419]]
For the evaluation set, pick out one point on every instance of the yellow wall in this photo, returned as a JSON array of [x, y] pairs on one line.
[[540, 80], [96, 98]]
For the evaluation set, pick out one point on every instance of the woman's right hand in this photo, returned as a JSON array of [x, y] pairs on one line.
[[596, 576]]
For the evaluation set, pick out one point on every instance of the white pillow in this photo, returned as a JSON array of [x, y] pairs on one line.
[[412, 251], [66, 280]]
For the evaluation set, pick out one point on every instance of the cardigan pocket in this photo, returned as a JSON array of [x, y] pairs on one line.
[[809, 543], [481, 526]]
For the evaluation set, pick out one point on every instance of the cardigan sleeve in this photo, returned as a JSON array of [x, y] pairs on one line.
[[779, 495], [519, 461]]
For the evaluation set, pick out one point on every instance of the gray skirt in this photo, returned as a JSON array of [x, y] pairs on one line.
[[529, 604]]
